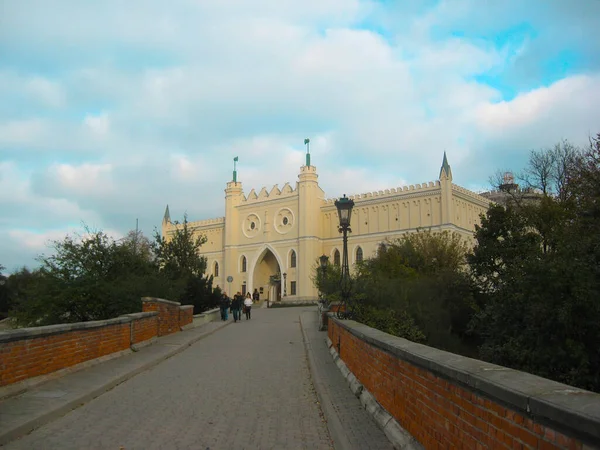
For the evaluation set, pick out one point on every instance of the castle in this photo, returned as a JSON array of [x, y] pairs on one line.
[[279, 234]]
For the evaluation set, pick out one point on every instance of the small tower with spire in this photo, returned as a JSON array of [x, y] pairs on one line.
[[166, 222], [446, 188], [445, 171]]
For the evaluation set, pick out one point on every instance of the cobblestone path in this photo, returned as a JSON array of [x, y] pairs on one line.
[[246, 386]]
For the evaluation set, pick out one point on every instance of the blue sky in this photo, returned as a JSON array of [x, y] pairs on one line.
[[110, 110]]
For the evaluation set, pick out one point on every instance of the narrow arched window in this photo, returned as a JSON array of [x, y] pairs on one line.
[[243, 263], [336, 257], [293, 259], [359, 255], [216, 269]]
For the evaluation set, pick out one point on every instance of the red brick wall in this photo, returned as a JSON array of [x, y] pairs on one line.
[[144, 329], [27, 353], [168, 314], [437, 412], [32, 357], [186, 315]]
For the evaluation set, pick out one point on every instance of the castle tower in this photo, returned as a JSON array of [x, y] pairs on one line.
[[166, 222], [446, 188], [233, 198], [310, 197]]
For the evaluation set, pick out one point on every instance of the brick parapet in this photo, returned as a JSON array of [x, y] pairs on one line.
[[444, 399], [168, 314], [32, 352], [186, 316]]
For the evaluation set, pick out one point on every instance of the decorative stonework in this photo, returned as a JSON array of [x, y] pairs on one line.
[[284, 220], [251, 225]]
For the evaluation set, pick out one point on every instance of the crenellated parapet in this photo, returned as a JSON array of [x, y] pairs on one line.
[[470, 194], [204, 225], [422, 188], [273, 194]]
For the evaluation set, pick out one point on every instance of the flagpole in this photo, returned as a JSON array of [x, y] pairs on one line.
[[307, 142]]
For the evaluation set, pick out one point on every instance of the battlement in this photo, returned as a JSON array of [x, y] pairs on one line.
[[274, 193], [470, 194], [393, 192], [202, 223]]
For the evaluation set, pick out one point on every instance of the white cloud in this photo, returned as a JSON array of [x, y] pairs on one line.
[[87, 177], [49, 92], [571, 102], [98, 124]]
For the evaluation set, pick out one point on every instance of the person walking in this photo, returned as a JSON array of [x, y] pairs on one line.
[[255, 296], [225, 305], [236, 307], [248, 305]]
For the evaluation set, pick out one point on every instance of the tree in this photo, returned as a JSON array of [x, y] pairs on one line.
[[179, 260], [4, 294], [415, 287], [138, 244], [89, 277], [535, 265], [179, 255]]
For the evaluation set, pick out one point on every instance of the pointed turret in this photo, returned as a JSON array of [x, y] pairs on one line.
[[167, 216], [445, 171]]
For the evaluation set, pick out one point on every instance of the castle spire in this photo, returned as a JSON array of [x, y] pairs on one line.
[[167, 216], [445, 171]]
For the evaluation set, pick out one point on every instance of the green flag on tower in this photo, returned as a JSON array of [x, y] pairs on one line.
[[235, 159], [306, 141]]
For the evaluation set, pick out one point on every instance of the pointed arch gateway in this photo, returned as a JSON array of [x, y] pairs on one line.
[[266, 264]]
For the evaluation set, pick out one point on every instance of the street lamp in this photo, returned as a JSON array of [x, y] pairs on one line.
[[344, 206], [284, 285]]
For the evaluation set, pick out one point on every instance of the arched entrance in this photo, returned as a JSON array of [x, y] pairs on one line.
[[265, 267]]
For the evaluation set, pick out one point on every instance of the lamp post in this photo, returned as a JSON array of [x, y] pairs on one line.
[[323, 260], [284, 285], [344, 206], [323, 304]]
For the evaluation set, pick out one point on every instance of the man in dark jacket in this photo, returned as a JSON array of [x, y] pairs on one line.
[[255, 296], [225, 305], [236, 306]]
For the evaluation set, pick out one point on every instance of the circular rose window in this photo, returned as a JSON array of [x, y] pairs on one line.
[[284, 220], [251, 225]]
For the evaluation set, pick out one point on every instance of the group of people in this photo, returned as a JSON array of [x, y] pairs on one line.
[[238, 305]]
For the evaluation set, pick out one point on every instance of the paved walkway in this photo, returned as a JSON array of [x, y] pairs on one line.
[[244, 386]]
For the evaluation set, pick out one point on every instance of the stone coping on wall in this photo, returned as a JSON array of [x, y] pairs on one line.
[[208, 312], [550, 402], [48, 330], [186, 307], [160, 300]]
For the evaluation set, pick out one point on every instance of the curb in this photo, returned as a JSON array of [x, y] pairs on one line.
[[335, 427], [398, 436], [21, 430]]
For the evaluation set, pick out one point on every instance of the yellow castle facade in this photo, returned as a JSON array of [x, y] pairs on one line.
[[271, 241]]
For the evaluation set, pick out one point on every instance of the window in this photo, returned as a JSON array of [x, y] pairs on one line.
[[336, 257], [216, 269], [292, 288], [359, 255], [243, 263], [244, 289], [285, 220], [293, 259]]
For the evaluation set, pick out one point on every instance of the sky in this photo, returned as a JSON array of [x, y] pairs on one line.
[[110, 110]]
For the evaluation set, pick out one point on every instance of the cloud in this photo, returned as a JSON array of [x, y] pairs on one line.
[[105, 118]]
